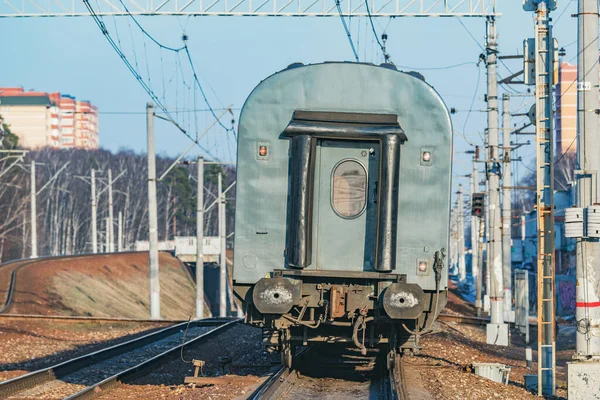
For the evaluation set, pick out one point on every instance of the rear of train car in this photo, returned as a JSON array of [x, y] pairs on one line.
[[342, 207]]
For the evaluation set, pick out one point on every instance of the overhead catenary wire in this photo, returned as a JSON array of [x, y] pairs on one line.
[[386, 56], [348, 34], [184, 48], [168, 116]]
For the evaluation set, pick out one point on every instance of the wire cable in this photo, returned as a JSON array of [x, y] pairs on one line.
[[437, 68], [386, 56], [187, 52], [149, 36], [339, 8], [176, 50], [473, 102]]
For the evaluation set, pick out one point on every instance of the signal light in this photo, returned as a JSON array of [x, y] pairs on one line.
[[477, 204], [262, 151], [422, 266]]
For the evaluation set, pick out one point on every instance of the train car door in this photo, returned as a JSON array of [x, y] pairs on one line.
[[345, 204]]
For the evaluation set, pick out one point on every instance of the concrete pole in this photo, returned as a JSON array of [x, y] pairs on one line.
[[111, 228], [588, 250], [475, 239], [34, 252], [223, 257], [497, 331], [506, 211], [94, 214], [120, 233], [462, 268], [587, 312], [107, 236], [478, 289], [453, 241], [152, 217], [486, 221], [200, 240]]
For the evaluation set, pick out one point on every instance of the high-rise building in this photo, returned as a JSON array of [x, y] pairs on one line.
[[566, 109], [54, 120]]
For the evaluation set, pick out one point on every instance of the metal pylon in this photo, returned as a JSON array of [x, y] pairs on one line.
[[545, 201]]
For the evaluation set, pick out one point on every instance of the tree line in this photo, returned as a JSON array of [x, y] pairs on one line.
[[64, 207]]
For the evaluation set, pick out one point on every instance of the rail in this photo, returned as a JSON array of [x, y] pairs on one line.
[[33, 379]]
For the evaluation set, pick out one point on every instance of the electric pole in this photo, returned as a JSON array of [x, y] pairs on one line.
[[107, 237], [544, 45], [120, 233], [34, 252], [152, 217], [111, 228], [475, 271], [200, 240], [94, 213], [587, 354], [462, 269], [506, 210], [223, 258], [497, 330]]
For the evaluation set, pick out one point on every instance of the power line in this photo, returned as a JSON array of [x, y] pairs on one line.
[[437, 68], [149, 36], [484, 50], [176, 50], [187, 52], [339, 8], [100, 22], [473, 101], [386, 56]]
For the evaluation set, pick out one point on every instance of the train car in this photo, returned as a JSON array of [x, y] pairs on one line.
[[342, 207]]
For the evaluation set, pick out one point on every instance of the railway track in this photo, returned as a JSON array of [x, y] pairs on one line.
[[344, 376], [85, 376], [85, 319]]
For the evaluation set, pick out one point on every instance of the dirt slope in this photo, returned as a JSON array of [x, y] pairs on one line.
[[102, 285]]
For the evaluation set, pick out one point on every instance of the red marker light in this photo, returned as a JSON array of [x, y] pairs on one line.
[[262, 151]]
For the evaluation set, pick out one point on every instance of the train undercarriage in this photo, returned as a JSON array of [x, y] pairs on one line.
[[354, 309]]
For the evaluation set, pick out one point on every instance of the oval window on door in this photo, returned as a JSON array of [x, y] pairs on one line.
[[349, 188]]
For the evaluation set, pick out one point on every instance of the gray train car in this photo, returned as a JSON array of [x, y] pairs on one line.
[[342, 207]]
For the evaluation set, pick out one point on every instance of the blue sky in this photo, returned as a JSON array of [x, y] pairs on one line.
[[71, 55]]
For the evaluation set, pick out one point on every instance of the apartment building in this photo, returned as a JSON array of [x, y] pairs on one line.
[[53, 120]]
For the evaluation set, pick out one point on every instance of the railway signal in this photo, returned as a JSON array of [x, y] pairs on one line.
[[477, 204]]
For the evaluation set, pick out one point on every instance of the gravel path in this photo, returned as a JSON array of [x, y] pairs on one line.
[[94, 373]]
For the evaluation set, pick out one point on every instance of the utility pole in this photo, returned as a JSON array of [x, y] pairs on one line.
[[453, 241], [486, 223], [111, 228], [506, 211], [34, 252], [587, 354], [94, 213], [462, 269], [497, 330], [475, 272], [120, 233], [544, 76], [107, 237], [545, 200], [200, 240], [152, 217], [223, 258]]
